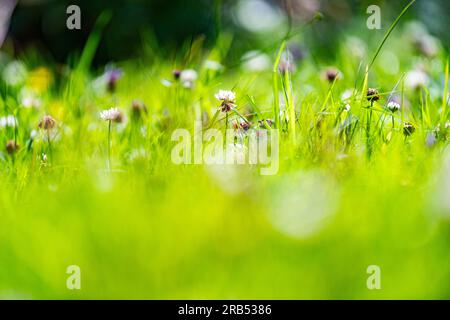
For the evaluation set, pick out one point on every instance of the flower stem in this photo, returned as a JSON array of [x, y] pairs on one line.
[[109, 145]]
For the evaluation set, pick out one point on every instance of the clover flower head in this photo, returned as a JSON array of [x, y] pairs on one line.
[[47, 122], [112, 76], [393, 106], [188, 78], [8, 121], [408, 129], [226, 96], [113, 114], [372, 95], [331, 74]]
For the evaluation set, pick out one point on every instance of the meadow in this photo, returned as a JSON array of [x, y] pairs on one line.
[[87, 176]]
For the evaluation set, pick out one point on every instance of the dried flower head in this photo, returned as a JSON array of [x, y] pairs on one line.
[[244, 125], [138, 108], [12, 147], [112, 77], [408, 129], [331, 74], [373, 95], [393, 106], [113, 114], [47, 122], [176, 74]]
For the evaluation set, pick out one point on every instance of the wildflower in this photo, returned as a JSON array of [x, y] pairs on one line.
[[373, 95], [408, 129], [286, 65], [347, 107], [176, 74], [188, 78], [228, 99], [430, 139], [8, 121], [393, 106], [113, 115], [213, 65], [47, 122], [416, 79], [11, 147], [138, 108], [331, 74], [112, 77], [244, 125]]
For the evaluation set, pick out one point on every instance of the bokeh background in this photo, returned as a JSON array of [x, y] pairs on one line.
[[42, 23]]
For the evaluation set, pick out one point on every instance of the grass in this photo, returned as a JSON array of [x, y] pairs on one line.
[[352, 190]]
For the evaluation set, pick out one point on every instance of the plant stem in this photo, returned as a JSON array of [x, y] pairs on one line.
[[109, 145]]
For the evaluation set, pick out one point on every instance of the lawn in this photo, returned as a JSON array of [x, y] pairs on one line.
[[88, 177]]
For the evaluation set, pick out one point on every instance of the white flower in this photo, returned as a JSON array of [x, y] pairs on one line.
[[347, 107], [188, 77], [213, 65], [113, 114], [8, 121], [416, 79], [226, 96], [29, 99], [393, 106]]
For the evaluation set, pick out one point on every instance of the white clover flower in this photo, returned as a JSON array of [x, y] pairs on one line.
[[113, 114], [226, 96], [393, 106], [416, 79], [188, 78], [8, 121]]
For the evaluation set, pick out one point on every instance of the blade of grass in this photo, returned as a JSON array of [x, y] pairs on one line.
[[276, 100]]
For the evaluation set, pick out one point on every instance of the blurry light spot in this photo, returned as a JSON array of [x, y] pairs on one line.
[[258, 15], [302, 204]]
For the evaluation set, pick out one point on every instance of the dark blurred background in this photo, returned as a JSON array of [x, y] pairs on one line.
[[42, 23]]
